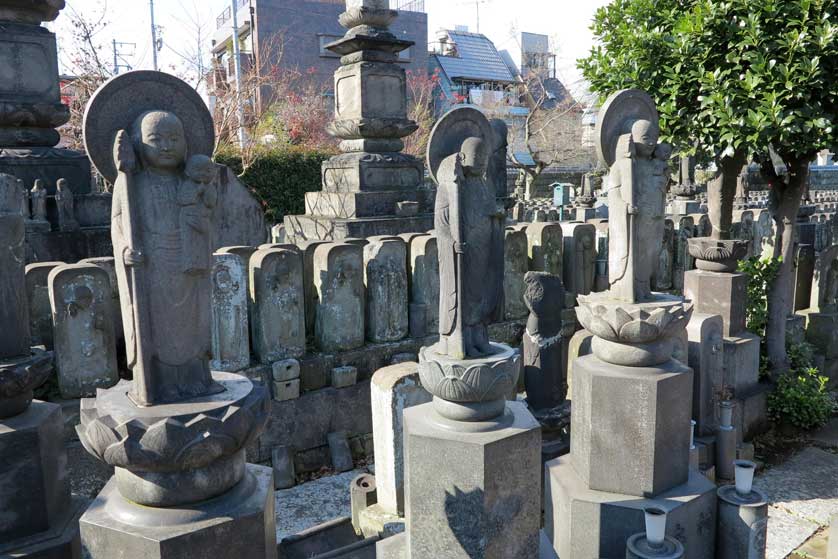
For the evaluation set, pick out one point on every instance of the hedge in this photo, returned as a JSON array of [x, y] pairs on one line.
[[279, 178]]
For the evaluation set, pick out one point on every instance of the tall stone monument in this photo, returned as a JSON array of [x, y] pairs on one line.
[[177, 433], [30, 97], [471, 458], [38, 517], [631, 413], [371, 188]]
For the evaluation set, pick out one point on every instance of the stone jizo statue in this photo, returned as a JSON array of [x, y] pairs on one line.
[[160, 233], [469, 228], [38, 196], [636, 186], [66, 206]]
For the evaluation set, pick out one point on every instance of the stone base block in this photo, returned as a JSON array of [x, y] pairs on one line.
[[472, 490], [584, 214], [375, 521], [60, 542], [683, 207], [366, 204], [631, 426], [396, 548], [719, 293], [241, 523], [741, 362], [750, 417], [582, 523], [822, 332], [312, 227], [34, 489]]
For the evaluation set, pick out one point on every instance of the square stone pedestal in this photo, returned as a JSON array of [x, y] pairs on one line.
[[582, 523], [471, 493], [631, 426], [38, 520], [822, 332], [725, 294], [683, 207], [741, 362], [237, 525]]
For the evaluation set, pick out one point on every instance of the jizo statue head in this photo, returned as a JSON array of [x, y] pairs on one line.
[[475, 156], [645, 136], [160, 141]]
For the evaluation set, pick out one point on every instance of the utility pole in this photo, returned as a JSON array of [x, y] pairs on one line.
[[237, 65], [153, 35], [118, 55]]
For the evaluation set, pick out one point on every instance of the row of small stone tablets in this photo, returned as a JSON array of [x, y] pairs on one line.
[[74, 310]]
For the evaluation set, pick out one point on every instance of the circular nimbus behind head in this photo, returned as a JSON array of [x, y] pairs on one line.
[[121, 101]]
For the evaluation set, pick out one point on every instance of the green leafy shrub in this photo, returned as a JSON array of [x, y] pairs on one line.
[[279, 178], [761, 273], [801, 399]]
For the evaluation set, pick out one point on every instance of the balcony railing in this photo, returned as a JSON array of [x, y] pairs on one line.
[[227, 14]]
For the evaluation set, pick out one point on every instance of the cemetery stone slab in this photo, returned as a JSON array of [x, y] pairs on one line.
[[230, 329], [277, 304], [385, 279], [37, 296], [339, 287], [85, 342]]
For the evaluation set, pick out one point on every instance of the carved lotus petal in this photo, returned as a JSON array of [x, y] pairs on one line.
[[96, 438], [600, 327], [660, 318], [639, 332]]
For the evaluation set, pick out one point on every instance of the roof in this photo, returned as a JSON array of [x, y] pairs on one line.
[[477, 59]]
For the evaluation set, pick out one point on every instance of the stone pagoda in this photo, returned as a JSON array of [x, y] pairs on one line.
[[371, 188], [631, 424], [30, 99]]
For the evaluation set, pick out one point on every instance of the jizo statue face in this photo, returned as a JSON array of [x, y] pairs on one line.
[[645, 136], [160, 140], [474, 156]]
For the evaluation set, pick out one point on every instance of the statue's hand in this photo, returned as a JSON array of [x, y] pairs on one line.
[[133, 258], [123, 153], [460, 248]]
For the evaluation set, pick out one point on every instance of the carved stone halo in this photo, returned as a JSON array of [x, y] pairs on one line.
[[714, 255]]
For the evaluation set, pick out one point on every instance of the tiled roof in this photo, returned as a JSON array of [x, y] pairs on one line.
[[477, 59]]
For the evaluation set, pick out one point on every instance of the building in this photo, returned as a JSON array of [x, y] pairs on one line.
[[471, 70], [293, 34]]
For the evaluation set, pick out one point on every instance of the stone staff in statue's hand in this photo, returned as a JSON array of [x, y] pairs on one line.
[[126, 161]]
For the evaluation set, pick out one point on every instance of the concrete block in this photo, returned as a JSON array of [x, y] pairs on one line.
[[472, 494], [631, 429], [287, 369], [344, 376], [583, 523], [286, 390], [241, 523]]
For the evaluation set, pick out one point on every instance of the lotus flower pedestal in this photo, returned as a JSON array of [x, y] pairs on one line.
[[181, 487], [631, 436], [472, 463]]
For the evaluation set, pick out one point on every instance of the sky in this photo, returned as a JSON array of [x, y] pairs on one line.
[[128, 21]]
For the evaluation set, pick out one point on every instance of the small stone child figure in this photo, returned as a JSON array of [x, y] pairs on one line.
[[197, 197]]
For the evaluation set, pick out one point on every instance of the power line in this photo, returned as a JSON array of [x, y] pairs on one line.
[[118, 55]]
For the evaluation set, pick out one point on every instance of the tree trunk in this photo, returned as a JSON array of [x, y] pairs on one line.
[[720, 192], [785, 204]]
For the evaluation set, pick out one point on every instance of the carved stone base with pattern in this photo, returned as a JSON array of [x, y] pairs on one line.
[[714, 255], [180, 453], [19, 377], [470, 389]]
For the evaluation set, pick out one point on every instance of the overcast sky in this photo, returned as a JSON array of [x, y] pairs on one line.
[[565, 21]]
